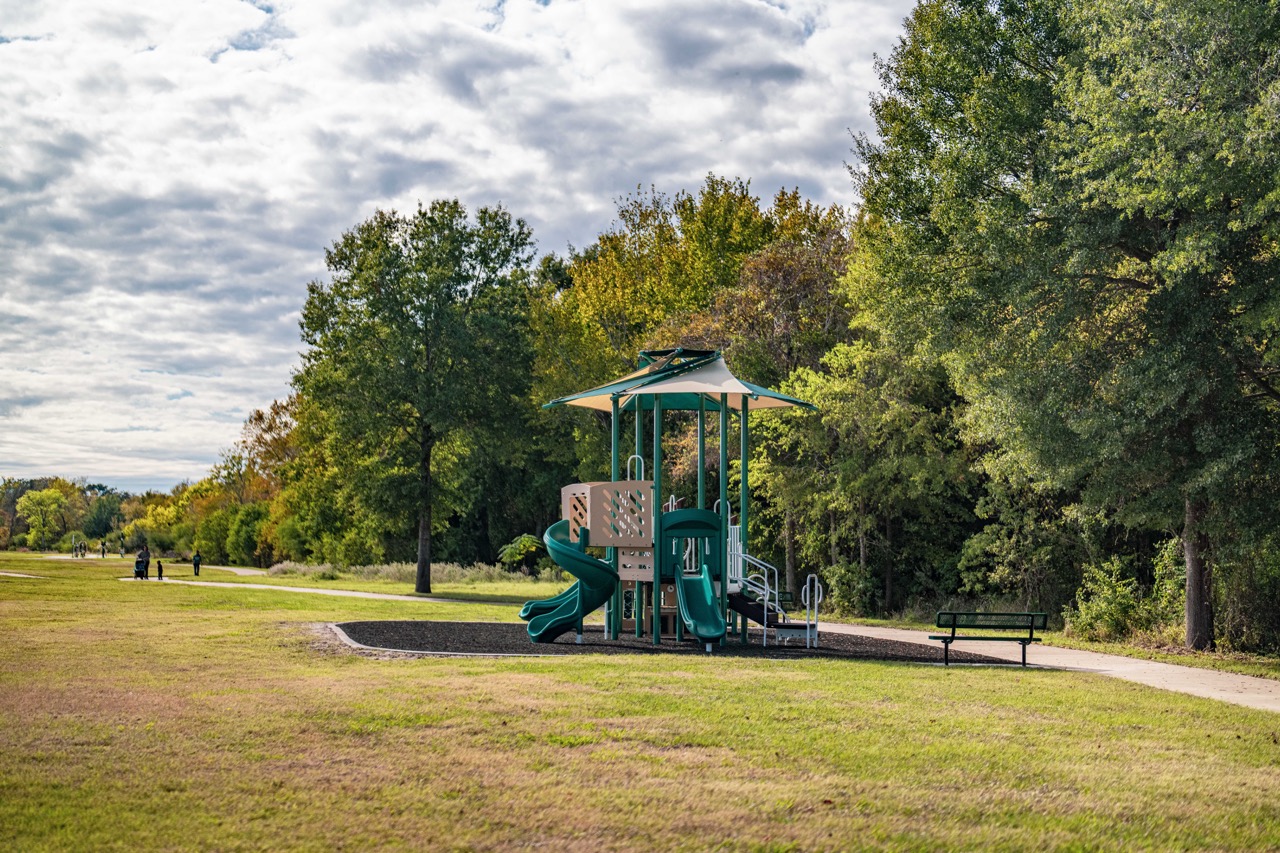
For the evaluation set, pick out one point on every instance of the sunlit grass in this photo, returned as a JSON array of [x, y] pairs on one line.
[[143, 716]]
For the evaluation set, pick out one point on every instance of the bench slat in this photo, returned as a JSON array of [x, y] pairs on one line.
[[998, 621], [961, 638]]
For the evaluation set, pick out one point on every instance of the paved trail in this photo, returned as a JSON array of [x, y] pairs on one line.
[[1262, 693], [342, 593]]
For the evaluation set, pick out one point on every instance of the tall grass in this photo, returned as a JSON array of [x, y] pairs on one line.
[[449, 573]]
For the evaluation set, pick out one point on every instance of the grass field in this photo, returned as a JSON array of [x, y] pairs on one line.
[[147, 716]]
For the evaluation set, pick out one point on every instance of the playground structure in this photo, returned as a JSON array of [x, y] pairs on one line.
[[667, 570]]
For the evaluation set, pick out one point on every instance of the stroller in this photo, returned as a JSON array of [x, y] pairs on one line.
[[139, 570]]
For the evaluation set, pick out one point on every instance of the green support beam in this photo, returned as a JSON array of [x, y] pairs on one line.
[[657, 520], [702, 452], [742, 497], [724, 499], [613, 614]]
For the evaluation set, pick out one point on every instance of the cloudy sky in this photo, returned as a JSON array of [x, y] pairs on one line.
[[171, 171]]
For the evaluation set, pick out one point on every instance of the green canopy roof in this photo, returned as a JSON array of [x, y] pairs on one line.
[[682, 379]]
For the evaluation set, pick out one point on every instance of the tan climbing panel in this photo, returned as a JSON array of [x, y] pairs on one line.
[[619, 515]]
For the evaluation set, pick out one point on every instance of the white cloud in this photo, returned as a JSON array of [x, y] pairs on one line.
[[170, 174]]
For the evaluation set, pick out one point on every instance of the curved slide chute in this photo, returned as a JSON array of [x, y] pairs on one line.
[[539, 606], [700, 606], [561, 613]]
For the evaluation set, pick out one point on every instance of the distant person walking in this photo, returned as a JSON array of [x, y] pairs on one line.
[[103, 544], [160, 570], [195, 562], [144, 556]]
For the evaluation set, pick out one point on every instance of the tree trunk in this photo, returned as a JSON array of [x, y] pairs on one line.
[[791, 551], [862, 539], [1199, 576], [835, 542], [888, 565], [423, 581]]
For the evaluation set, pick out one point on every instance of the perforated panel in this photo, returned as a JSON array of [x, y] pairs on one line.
[[635, 564], [575, 507], [617, 514], [629, 508]]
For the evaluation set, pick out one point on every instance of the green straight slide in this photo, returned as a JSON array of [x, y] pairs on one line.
[[564, 612], [700, 606]]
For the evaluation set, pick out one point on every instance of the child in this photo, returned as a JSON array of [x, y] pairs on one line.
[[159, 570]]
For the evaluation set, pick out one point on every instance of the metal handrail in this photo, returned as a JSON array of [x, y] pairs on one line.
[[811, 602], [761, 589], [733, 554], [638, 458], [764, 588]]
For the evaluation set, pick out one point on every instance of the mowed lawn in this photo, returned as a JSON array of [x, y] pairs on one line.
[[148, 716]]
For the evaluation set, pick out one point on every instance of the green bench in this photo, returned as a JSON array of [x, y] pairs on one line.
[[954, 620]]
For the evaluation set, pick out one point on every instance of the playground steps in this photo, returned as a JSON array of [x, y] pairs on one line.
[[756, 611]]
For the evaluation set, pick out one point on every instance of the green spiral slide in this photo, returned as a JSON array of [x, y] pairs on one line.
[[561, 613]]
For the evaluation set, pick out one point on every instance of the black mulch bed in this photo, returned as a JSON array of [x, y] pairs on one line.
[[505, 638]]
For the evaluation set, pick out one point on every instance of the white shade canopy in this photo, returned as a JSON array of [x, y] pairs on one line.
[[683, 379]]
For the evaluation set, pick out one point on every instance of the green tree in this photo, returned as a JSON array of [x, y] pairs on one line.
[[243, 534], [104, 515], [1074, 206], [410, 346], [664, 259], [42, 511], [211, 534], [878, 469]]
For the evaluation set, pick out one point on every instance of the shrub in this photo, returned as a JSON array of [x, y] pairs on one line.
[[1248, 593], [243, 534], [1106, 603], [521, 552], [853, 591], [397, 572], [211, 535]]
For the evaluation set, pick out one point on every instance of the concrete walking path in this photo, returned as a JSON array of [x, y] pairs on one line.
[[341, 593], [236, 570], [1247, 690]]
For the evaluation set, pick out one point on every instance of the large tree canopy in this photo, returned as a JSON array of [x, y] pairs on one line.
[[41, 510], [1074, 205], [415, 346]]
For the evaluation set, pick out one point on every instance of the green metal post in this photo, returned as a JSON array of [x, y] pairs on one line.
[[637, 608], [657, 519], [742, 497], [613, 616], [724, 501], [639, 427], [702, 452], [638, 599]]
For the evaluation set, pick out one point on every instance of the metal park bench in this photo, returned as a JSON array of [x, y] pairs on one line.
[[1028, 622]]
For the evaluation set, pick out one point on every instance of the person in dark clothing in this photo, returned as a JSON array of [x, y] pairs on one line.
[[159, 570], [145, 556], [195, 562]]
